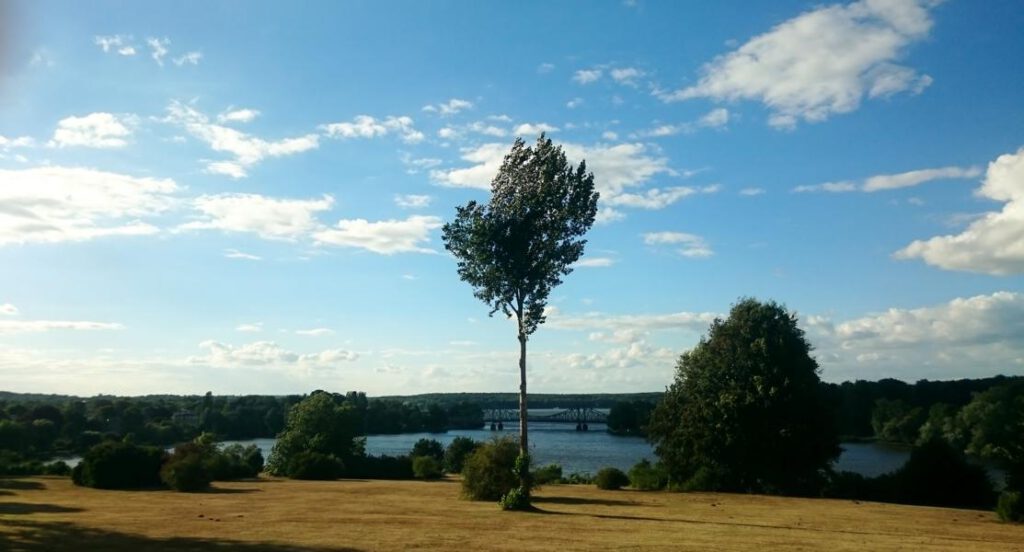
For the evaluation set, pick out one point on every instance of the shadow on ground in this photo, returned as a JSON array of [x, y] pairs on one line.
[[37, 536], [581, 501], [20, 485], [24, 508]]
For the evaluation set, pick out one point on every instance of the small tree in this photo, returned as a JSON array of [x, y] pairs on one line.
[[516, 249], [322, 424], [746, 412]]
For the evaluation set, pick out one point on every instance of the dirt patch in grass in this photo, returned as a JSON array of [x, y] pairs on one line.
[[296, 516]]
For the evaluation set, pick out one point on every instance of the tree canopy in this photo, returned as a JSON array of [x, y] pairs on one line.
[[322, 425], [745, 411]]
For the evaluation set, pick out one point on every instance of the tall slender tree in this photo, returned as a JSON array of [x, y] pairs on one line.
[[516, 248]]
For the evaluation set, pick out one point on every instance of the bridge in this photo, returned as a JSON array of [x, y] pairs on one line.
[[581, 416]]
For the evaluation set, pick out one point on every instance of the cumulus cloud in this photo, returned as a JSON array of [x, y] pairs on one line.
[[992, 243], [118, 44], [10, 326], [158, 49], [626, 75], [451, 107], [750, 192], [656, 198], [413, 165], [413, 201], [717, 118], [58, 204], [385, 237], [7, 309], [533, 129], [684, 320], [486, 161], [823, 62], [365, 126], [95, 130], [267, 217], [7, 144], [247, 150], [191, 58], [689, 245], [238, 116], [267, 354], [587, 76], [595, 262]]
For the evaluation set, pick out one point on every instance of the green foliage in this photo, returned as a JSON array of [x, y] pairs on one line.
[[426, 467], [489, 473], [645, 476], [552, 473], [319, 427], [314, 465], [745, 411], [119, 465], [896, 421], [187, 468], [629, 417], [516, 499], [578, 478], [611, 479], [1011, 506], [428, 447], [458, 450]]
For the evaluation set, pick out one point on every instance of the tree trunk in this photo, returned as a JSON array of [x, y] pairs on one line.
[[524, 448]]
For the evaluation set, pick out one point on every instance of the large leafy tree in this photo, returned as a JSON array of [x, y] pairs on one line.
[[746, 412], [516, 248], [322, 423]]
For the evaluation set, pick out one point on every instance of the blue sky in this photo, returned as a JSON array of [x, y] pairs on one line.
[[246, 197]]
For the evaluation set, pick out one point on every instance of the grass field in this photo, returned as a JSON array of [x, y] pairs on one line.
[[52, 514]]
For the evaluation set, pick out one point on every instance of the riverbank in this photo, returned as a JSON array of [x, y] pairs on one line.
[[306, 516]]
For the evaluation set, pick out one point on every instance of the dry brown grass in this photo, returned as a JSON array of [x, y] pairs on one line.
[[297, 516]]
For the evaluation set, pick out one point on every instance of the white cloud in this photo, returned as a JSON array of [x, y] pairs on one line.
[[717, 118], [833, 187], [545, 68], [966, 337], [530, 129], [574, 103], [269, 355], [618, 167], [655, 198], [95, 130], [609, 135], [119, 44], [238, 116], [315, 332], [587, 76], [447, 133], [750, 192], [57, 204], [365, 126], [690, 321], [7, 144], [268, 217], [385, 237], [8, 326], [913, 178], [250, 328], [487, 160], [692, 246], [607, 215], [191, 58], [993, 243], [158, 48], [595, 262], [626, 75], [8, 309], [413, 201], [487, 130], [248, 150], [451, 107], [822, 62], [236, 254]]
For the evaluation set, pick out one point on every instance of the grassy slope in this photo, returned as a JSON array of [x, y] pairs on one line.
[[51, 514]]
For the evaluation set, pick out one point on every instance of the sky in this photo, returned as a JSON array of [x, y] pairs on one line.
[[246, 197]]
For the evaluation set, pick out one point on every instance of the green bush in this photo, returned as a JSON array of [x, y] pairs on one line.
[[428, 447], [57, 468], [119, 465], [457, 452], [186, 471], [235, 462], [578, 478], [314, 465], [1011, 506], [645, 476], [515, 499], [426, 467], [551, 473], [488, 473], [611, 479]]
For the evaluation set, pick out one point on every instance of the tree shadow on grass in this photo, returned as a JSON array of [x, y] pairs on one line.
[[28, 536], [24, 508], [21, 485], [582, 501]]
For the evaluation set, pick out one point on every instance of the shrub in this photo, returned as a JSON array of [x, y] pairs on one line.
[[457, 452], [578, 478], [119, 465], [428, 447], [1011, 506], [488, 473], [644, 476], [938, 475], [235, 462], [185, 472], [314, 465], [426, 467], [515, 499], [551, 473], [57, 468], [380, 467], [611, 479]]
